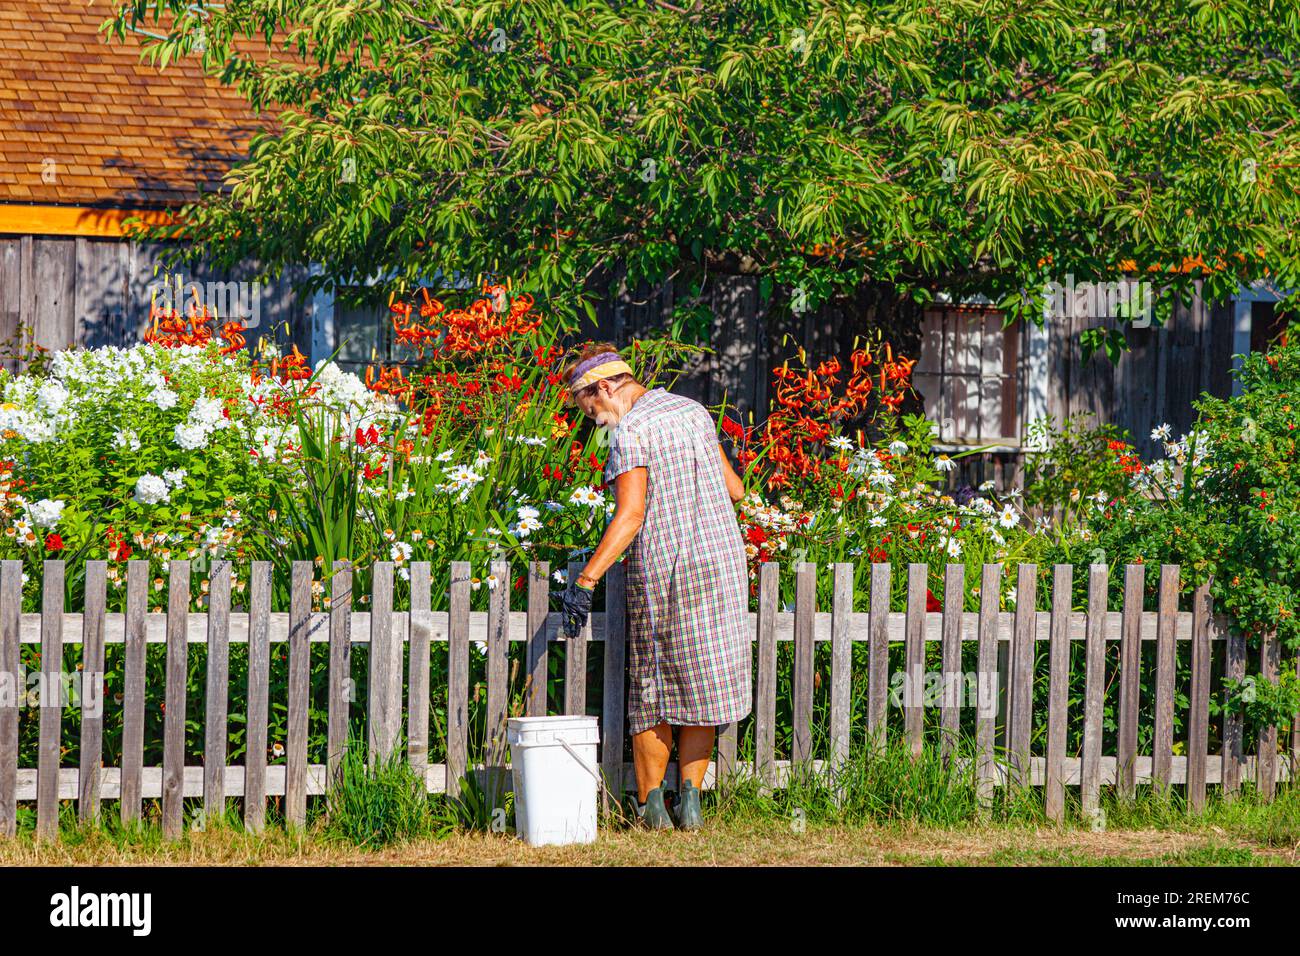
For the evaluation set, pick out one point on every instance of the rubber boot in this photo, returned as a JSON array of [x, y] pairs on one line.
[[653, 814], [687, 812]]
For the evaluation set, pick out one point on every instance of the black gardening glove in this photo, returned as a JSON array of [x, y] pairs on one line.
[[577, 607]]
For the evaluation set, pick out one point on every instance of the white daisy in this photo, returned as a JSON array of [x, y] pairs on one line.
[[586, 495], [462, 475], [526, 526]]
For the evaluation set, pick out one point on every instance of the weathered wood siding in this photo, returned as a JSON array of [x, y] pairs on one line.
[[94, 292], [1156, 381]]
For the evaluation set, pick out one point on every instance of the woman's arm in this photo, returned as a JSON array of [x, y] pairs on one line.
[[735, 487], [629, 492]]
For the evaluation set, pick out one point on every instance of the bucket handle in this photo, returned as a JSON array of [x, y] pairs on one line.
[[600, 784]]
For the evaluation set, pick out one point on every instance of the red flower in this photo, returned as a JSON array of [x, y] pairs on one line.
[[932, 603], [733, 428], [756, 535], [53, 542]]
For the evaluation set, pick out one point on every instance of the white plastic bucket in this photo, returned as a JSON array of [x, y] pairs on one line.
[[553, 765]]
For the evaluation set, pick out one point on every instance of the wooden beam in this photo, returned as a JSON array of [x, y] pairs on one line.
[[25, 220]]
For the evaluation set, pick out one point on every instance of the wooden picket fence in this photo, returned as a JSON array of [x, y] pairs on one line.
[[402, 640]]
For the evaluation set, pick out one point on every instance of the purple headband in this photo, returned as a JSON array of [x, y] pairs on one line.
[[586, 365]]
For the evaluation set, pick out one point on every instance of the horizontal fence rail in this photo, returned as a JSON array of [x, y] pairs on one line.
[[400, 682]]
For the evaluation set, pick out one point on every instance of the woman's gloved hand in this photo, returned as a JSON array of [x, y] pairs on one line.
[[577, 608]]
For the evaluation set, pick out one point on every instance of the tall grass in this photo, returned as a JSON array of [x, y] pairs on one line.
[[377, 806], [887, 785]]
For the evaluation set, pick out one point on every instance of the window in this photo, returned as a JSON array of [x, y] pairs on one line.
[[968, 374], [1256, 319], [1267, 322], [363, 336]]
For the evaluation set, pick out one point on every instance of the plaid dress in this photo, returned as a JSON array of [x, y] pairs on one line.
[[689, 652]]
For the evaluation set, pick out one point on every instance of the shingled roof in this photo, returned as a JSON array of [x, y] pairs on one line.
[[106, 130]]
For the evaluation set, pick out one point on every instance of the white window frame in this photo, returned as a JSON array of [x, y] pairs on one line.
[[324, 313], [1029, 371], [1261, 290]]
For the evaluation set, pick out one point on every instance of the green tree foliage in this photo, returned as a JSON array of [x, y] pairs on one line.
[[959, 145]]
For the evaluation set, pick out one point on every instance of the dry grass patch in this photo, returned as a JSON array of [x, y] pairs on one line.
[[751, 843]]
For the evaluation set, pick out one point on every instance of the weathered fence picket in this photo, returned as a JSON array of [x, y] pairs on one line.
[[259, 675], [417, 706], [914, 654], [218, 690], [458, 676], [173, 767], [131, 787], [805, 596], [765, 681], [399, 648], [92, 724], [1093, 689], [986, 715], [10, 606], [1058, 693]]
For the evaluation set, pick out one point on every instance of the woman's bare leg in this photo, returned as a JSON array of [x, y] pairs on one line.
[[650, 750], [694, 749]]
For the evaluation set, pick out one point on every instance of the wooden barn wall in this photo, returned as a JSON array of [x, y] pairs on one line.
[[748, 337], [1154, 382], [94, 292]]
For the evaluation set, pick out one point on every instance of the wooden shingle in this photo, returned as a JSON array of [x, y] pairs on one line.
[[84, 122]]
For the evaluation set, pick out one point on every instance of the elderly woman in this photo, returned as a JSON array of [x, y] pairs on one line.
[[689, 651]]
